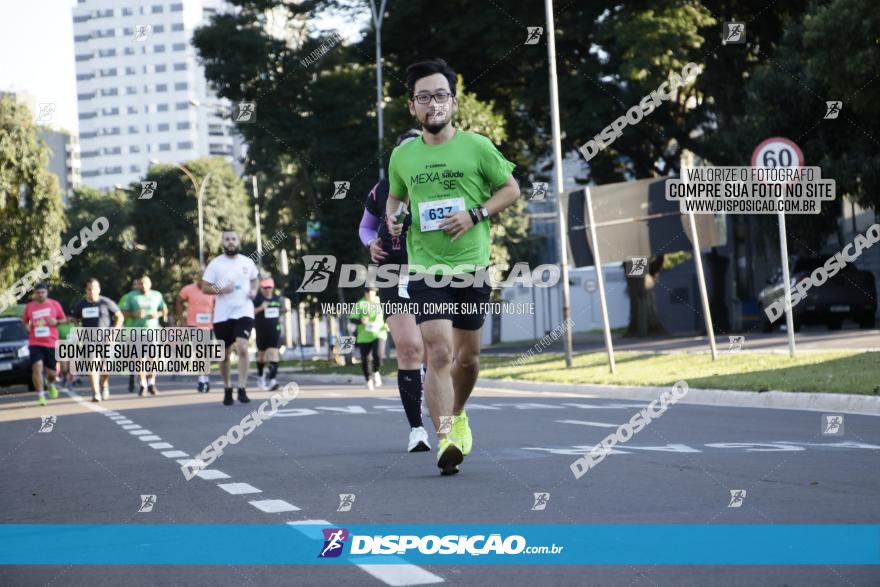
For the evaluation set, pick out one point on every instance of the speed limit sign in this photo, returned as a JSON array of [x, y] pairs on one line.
[[778, 152]]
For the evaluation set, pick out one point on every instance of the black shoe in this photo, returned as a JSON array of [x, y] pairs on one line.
[[152, 389], [227, 397], [207, 386], [143, 391], [242, 396], [201, 387], [131, 384]]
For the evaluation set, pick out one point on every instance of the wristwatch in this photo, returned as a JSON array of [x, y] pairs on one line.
[[484, 213]]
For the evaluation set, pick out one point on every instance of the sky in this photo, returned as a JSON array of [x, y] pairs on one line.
[[36, 45]]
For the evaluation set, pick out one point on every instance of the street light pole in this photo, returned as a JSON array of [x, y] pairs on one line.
[[377, 22], [199, 190]]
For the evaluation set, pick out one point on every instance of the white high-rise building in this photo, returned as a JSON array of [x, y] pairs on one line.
[[141, 94]]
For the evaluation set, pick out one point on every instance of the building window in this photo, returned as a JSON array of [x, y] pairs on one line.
[[134, 149], [110, 112], [157, 9], [127, 12], [107, 53], [83, 18], [86, 96], [85, 77], [83, 57], [161, 88], [81, 38], [184, 125], [164, 146], [176, 7], [176, 27], [130, 71], [215, 130], [129, 51], [134, 169], [132, 130], [107, 72], [113, 151], [180, 67], [158, 48], [178, 47], [185, 145], [181, 106], [162, 108], [158, 28], [110, 92], [163, 127], [131, 90], [181, 86]]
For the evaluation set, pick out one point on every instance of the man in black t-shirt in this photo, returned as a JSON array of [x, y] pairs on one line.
[[268, 309], [97, 311]]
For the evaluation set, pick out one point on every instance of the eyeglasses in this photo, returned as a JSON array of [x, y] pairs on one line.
[[439, 97]]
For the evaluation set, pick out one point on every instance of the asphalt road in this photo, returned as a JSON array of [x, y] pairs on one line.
[[332, 440]]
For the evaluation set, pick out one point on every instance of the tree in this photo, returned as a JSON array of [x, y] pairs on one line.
[[30, 201], [168, 250]]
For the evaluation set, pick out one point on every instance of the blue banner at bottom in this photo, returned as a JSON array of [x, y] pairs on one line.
[[308, 544]]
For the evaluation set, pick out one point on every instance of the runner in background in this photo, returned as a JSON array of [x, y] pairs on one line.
[[41, 318], [268, 309], [97, 311], [199, 308], [387, 249], [67, 378], [233, 278], [145, 307], [370, 323], [135, 285]]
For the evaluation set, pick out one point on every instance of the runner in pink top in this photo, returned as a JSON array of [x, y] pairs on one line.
[[41, 318], [199, 314]]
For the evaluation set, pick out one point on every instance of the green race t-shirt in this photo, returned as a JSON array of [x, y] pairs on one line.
[[149, 302], [375, 326], [457, 175]]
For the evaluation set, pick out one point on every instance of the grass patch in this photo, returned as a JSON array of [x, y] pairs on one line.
[[828, 372]]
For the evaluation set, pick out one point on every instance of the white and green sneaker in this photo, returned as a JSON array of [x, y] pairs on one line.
[[461, 431], [449, 456]]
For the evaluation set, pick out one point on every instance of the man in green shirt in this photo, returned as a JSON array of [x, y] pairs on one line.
[[370, 330], [126, 323], [453, 181], [144, 307]]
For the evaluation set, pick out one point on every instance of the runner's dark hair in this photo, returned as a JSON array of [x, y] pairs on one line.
[[417, 71]]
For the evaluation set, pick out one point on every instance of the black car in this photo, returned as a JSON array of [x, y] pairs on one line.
[[850, 294], [14, 355]]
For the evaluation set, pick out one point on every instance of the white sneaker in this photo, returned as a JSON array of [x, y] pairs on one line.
[[377, 379], [370, 385], [261, 382], [418, 440], [273, 384], [106, 391]]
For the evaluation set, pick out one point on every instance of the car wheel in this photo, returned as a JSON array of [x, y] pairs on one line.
[[867, 323]]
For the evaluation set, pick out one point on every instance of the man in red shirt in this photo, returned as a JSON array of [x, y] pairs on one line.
[[199, 314], [41, 318]]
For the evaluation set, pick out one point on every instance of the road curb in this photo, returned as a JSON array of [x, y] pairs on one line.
[[780, 400]]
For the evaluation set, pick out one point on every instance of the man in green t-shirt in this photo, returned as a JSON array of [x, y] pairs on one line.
[[135, 286], [144, 306], [453, 181], [371, 329]]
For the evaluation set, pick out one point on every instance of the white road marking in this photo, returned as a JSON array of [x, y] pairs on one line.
[[608, 406], [238, 488], [174, 454], [344, 409], [585, 423], [210, 474], [139, 432], [161, 445], [150, 438], [131, 426], [274, 506], [121, 422]]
